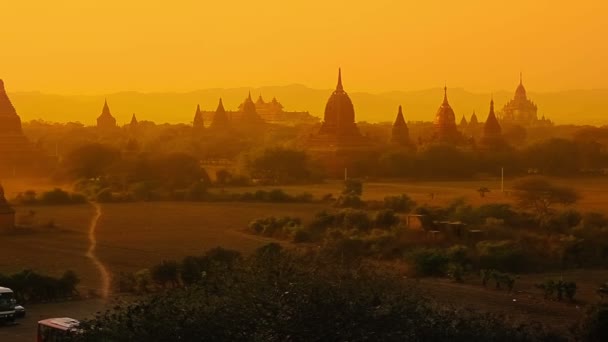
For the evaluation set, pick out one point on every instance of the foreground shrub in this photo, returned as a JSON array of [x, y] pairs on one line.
[[429, 262], [279, 296], [504, 256]]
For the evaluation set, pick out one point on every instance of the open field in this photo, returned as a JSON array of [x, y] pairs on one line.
[[50, 250], [137, 235], [132, 236], [593, 191]]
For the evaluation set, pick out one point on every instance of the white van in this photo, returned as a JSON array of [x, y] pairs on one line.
[[7, 304]]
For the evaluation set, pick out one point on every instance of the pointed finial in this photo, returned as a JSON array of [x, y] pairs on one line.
[[400, 111], [521, 78], [249, 97], [339, 86], [445, 94]]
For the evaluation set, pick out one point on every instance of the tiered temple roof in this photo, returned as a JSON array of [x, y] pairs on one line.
[[220, 118], [106, 120], [198, 123], [445, 121], [400, 134], [521, 110], [17, 153], [338, 129], [492, 132]]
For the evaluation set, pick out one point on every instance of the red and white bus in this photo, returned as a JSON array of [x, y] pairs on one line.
[[56, 329]]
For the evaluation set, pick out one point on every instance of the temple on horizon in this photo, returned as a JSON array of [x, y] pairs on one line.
[[106, 121], [445, 127], [521, 110], [249, 112], [338, 129], [18, 156]]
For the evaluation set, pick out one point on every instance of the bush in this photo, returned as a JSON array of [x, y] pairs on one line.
[[386, 219], [271, 226], [59, 197], [349, 201], [400, 204], [30, 286], [429, 262], [275, 295], [504, 256]]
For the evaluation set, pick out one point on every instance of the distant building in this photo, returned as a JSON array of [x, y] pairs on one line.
[[338, 129], [133, 125], [7, 213], [445, 123], [521, 110], [400, 134], [269, 112], [198, 123], [249, 113], [106, 121], [492, 132], [339, 143], [220, 121], [18, 156]]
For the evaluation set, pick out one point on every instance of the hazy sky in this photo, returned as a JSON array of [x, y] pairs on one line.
[[94, 46]]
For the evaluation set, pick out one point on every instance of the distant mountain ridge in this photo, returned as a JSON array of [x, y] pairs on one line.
[[564, 107]]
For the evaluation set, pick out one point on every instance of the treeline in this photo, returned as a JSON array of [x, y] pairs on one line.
[[554, 157], [278, 295], [30, 286], [56, 196]]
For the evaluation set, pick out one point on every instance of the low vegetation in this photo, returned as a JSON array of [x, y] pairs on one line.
[[31, 287], [275, 295]]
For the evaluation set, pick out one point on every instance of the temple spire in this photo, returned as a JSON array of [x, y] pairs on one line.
[[445, 94], [521, 82], [339, 86]]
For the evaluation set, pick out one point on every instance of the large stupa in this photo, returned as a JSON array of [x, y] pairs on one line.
[[338, 129]]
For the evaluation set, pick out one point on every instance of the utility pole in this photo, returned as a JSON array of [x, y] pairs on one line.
[[502, 180]]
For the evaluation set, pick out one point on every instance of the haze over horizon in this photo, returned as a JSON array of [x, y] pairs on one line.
[[71, 47]]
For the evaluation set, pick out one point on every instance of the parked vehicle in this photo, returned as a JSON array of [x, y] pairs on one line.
[[19, 311], [57, 329], [7, 305]]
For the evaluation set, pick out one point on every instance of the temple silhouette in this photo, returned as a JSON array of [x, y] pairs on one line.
[[250, 112], [18, 156], [521, 110]]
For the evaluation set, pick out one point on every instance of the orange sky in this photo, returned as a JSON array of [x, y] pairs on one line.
[[89, 47]]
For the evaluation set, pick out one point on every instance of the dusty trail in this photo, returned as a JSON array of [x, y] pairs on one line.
[[103, 271]]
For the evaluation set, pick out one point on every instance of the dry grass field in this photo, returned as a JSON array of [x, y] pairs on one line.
[[132, 236], [137, 235], [593, 191], [50, 250]]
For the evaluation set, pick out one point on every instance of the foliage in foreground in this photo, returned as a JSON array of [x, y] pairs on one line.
[[280, 296]]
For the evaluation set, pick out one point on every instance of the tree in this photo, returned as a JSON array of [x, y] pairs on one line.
[[539, 195], [91, 160], [277, 295], [352, 187], [402, 203], [280, 165], [166, 273], [483, 191]]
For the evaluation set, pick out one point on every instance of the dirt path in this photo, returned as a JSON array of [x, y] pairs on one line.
[[103, 271]]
